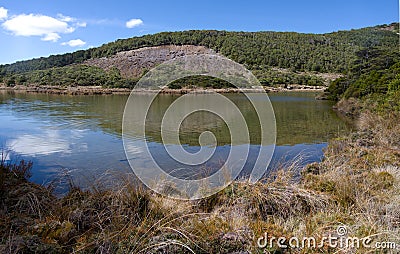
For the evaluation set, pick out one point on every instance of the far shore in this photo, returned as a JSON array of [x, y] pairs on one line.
[[98, 90]]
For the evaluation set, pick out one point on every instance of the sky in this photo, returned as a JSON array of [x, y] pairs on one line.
[[35, 28]]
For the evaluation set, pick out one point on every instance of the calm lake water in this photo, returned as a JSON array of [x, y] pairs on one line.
[[83, 133]]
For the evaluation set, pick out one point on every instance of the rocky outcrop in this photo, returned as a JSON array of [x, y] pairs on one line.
[[133, 63]]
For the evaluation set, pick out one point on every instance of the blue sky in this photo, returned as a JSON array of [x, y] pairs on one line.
[[40, 28]]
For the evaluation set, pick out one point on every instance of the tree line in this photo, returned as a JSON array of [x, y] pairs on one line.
[[258, 51]]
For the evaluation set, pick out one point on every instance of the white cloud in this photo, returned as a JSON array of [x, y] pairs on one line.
[[3, 13], [133, 22], [81, 24], [69, 19], [49, 28], [74, 43], [37, 25], [51, 37], [65, 18]]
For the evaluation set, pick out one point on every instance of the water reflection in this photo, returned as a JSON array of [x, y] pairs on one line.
[[48, 142], [84, 132]]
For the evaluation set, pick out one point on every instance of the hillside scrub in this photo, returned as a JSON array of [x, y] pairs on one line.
[[121, 63], [330, 52]]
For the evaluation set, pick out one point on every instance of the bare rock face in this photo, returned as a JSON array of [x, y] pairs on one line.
[[133, 63]]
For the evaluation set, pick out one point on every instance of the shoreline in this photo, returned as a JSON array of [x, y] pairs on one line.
[[57, 90], [98, 90]]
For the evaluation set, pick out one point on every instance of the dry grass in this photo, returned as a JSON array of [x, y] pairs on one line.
[[357, 185]]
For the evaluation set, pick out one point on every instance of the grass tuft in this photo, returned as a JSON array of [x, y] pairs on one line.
[[356, 185]]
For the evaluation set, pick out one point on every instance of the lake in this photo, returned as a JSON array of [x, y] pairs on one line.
[[82, 134]]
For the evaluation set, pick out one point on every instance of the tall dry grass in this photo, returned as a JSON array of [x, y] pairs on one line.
[[356, 185]]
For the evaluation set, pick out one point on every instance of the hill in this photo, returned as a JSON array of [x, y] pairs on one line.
[[275, 57]]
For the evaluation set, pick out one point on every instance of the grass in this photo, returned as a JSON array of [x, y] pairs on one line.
[[356, 185]]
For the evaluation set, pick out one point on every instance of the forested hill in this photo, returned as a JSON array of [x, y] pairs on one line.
[[259, 51]]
